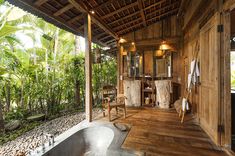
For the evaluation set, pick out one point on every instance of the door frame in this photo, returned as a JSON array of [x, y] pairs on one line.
[[226, 113]]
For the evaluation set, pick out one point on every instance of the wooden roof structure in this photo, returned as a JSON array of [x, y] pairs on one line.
[[110, 19]]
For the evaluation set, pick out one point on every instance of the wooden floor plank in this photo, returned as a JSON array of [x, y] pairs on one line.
[[159, 132]]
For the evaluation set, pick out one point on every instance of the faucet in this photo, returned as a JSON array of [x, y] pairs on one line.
[[51, 138]]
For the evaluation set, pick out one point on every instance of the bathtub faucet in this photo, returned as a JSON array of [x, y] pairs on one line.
[[51, 138]]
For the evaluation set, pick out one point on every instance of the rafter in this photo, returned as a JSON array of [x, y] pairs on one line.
[[141, 7], [120, 10], [94, 18], [64, 9], [125, 17], [77, 18], [166, 13], [129, 28], [163, 8], [130, 22], [109, 42], [99, 35], [40, 2], [103, 38], [155, 4], [103, 4]]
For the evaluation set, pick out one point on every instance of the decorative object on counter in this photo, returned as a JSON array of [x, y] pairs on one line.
[[163, 93], [147, 100]]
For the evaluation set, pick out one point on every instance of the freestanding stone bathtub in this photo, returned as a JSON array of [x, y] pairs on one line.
[[91, 140], [88, 141]]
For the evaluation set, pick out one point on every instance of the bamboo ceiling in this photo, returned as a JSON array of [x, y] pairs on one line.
[[112, 18]]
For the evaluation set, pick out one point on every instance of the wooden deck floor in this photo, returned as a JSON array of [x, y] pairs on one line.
[[159, 132]]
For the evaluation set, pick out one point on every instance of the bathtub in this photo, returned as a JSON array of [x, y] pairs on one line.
[[91, 140]]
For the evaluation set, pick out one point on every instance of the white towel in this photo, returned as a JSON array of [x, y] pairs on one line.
[[185, 104]]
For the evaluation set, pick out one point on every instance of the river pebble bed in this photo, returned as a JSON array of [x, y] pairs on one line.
[[29, 141]]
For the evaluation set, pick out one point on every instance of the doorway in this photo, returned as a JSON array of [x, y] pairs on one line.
[[232, 67]]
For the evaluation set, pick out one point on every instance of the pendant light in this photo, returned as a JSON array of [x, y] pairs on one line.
[[163, 46], [133, 46], [159, 53]]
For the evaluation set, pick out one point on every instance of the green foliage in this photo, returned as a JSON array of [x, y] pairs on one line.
[[17, 114], [48, 77]]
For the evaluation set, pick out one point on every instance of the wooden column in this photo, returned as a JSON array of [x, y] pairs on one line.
[[88, 67], [118, 69]]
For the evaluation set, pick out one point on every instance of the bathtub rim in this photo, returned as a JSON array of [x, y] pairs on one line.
[[115, 145]]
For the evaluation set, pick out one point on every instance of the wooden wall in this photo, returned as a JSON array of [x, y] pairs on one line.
[[149, 39], [184, 33], [208, 100]]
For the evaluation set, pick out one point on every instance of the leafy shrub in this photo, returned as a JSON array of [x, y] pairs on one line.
[[17, 114]]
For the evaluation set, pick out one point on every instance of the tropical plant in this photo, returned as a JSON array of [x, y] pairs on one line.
[[46, 73]]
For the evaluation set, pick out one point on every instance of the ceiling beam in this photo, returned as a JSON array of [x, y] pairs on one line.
[[40, 2], [154, 42], [77, 18], [125, 17], [111, 41], [141, 7], [163, 8], [103, 4], [103, 38], [64, 9], [95, 19], [128, 29], [120, 10], [99, 35], [155, 4], [166, 13], [130, 22]]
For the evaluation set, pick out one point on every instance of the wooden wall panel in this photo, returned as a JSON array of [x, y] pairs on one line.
[[148, 62], [154, 31], [152, 35], [204, 98]]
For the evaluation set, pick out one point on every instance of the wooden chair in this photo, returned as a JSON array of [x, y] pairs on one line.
[[111, 100]]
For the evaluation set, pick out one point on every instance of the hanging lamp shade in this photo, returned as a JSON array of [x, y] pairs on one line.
[[124, 52], [159, 53], [164, 46], [132, 47]]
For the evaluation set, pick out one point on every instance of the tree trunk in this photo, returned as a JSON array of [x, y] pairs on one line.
[[8, 96], [76, 82], [77, 45], [22, 95], [77, 93], [1, 116]]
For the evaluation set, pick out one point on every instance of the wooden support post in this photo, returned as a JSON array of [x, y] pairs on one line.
[[118, 70], [88, 67]]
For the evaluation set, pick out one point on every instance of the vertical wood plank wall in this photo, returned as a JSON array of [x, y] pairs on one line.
[[203, 105], [150, 39], [209, 111]]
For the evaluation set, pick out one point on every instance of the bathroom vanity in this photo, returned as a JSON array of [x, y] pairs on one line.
[[147, 79]]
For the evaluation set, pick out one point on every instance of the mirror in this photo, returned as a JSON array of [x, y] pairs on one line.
[[163, 65]]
